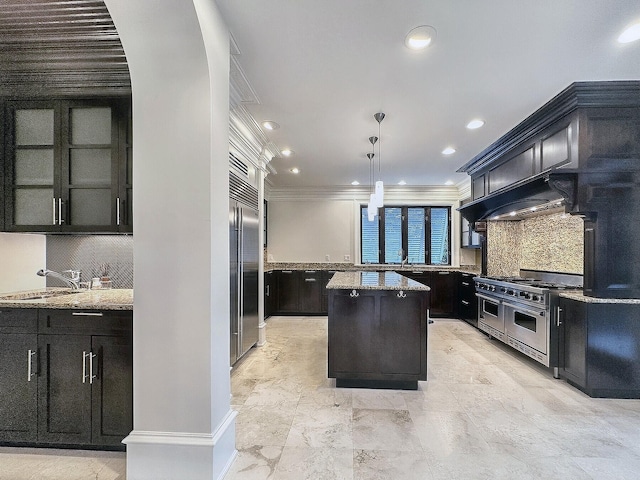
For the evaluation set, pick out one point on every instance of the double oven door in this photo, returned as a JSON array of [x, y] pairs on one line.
[[527, 324], [490, 312]]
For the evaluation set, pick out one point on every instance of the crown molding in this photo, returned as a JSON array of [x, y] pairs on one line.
[[360, 193]]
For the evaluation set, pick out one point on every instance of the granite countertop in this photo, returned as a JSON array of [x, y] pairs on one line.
[[111, 299], [269, 266], [374, 281], [580, 297]]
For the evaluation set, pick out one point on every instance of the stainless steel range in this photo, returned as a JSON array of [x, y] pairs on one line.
[[522, 311]]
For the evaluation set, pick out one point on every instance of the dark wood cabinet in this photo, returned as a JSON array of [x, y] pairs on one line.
[[326, 277], [467, 300], [598, 347], [288, 291], [18, 375], [310, 291], [66, 379], [378, 336], [68, 166], [444, 294], [270, 293]]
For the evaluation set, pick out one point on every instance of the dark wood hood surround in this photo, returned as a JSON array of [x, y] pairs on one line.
[[583, 146]]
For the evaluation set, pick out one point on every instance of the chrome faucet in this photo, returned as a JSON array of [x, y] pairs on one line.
[[73, 280], [404, 262]]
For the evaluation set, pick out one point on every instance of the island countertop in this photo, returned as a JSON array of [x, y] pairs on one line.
[[107, 299], [373, 281]]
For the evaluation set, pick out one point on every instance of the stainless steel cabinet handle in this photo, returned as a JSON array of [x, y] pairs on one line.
[[54, 210], [558, 321], [309, 271], [118, 211], [59, 210], [268, 293], [444, 273], [466, 284], [84, 367], [309, 279], [286, 271], [29, 364], [91, 375], [354, 294], [401, 294], [87, 314], [464, 302]]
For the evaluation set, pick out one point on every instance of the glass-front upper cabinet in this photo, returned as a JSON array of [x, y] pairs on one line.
[[68, 166]]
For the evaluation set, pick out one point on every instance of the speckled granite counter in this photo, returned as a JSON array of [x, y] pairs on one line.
[[112, 299], [580, 297], [373, 281], [269, 266]]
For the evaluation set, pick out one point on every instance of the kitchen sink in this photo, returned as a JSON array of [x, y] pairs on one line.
[[39, 295]]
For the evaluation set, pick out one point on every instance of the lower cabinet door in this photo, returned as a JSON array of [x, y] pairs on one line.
[[64, 389], [112, 390], [402, 330], [18, 387]]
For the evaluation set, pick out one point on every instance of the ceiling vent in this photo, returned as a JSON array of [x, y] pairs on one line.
[[242, 191]]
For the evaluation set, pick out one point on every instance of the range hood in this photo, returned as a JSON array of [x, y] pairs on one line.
[[532, 193]]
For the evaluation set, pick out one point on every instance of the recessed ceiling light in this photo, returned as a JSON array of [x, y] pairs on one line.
[[448, 151], [420, 37], [473, 124], [402, 182], [269, 125], [449, 182], [286, 152], [631, 34], [295, 170], [355, 182]]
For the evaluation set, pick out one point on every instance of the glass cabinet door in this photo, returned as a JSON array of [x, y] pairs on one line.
[[87, 167], [33, 197]]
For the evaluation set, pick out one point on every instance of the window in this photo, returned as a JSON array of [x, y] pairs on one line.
[[422, 235]]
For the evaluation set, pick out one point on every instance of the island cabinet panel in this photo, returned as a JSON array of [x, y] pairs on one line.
[[377, 336]]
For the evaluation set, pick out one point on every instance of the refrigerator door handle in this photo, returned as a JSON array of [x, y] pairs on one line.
[[240, 282]]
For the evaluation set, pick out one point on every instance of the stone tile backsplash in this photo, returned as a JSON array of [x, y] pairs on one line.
[[549, 242], [88, 252]]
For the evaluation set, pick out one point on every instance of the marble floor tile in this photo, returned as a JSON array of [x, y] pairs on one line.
[[255, 463], [265, 425], [384, 430], [378, 399], [390, 465], [321, 426], [305, 463]]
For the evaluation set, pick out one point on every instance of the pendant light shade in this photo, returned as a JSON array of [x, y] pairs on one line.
[[372, 209], [379, 194]]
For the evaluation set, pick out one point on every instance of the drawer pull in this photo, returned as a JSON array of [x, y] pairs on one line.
[[401, 294], [354, 294], [309, 271], [29, 364], [87, 314], [464, 302], [466, 284], [309, 279], [286, 271], [444, 273]]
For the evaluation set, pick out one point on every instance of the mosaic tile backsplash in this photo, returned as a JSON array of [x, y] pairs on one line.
[[550, 242], [88, 253]]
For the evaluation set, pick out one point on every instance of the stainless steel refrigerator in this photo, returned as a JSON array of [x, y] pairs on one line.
[[244, 255]]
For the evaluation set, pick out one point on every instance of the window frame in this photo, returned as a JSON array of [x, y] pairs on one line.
[[380, 218]]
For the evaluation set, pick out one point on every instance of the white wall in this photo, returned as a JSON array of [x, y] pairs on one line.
[[21, 256], [307, 225], [308, 230]]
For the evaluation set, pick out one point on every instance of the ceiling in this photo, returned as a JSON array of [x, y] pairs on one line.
[[60, 47], [321, 69]]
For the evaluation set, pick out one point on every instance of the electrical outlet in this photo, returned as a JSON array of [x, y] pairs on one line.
[[347, 258], [326, 257]]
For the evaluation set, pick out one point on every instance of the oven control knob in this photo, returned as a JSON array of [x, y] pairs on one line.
[[523, 294], [535, 298], [503, 290], [492, 288], [510, 292], [526, 295]]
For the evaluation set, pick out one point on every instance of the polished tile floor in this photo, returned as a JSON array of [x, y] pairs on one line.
[[486, 412]]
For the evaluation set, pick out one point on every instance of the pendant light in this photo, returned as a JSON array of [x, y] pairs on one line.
[[379, 190], [372, 209]]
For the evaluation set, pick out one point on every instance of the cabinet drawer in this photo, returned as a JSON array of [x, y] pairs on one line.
[[94, 322], [18, 320]]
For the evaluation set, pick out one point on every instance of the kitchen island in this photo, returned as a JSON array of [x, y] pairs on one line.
[[66, 368], [377, 330]]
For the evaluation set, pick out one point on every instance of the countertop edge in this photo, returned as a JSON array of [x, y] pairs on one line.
[[580, 297]]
